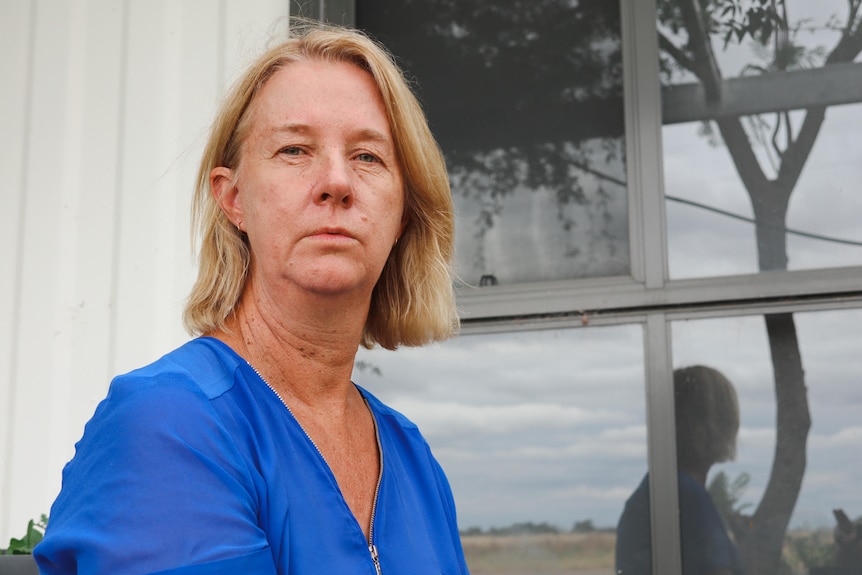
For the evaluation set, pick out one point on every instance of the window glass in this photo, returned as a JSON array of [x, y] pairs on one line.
[[541, 434], [759, 169], [525, 99], [775, 499]]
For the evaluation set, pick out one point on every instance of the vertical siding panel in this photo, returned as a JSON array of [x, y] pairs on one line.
[[16, 24], [142, 160], [200, 76], [66, 246], [85, 370], [41, 245]]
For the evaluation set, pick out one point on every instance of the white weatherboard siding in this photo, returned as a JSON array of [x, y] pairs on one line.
[[103, 113]]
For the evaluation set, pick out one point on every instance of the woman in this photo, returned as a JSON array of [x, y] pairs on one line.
[[326, 221], [707, 422]]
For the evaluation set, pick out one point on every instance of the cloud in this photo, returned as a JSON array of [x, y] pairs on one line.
[[503, 418], [849, 437]]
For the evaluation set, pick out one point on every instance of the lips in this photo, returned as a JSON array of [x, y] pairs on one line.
[[334, 232]]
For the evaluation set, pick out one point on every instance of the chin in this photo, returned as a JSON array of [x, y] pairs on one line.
[[333, 275], [338, 284]]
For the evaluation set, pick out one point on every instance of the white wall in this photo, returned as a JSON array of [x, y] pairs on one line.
[[104, 107]]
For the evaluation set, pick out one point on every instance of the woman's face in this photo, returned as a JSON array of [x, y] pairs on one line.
[[318, 189]]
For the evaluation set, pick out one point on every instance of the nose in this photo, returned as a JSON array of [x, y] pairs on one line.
[[335, 185]]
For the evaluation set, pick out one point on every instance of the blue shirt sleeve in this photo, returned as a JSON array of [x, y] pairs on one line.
[[156, 484], [449, 508]]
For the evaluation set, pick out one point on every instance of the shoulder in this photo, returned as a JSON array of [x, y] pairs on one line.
[[402, 440], [693, 495], [202, 365], [160, 417], [381, 410], [168, 402], [156, 460], [634, 522]]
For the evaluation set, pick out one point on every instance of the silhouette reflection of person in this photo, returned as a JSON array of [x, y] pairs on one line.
[[707, 422]]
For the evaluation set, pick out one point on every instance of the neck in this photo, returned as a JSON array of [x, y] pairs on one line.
[[305, 350]]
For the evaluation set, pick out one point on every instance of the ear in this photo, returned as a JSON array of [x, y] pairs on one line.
[[401, 229], [405, 219], [226, 194]]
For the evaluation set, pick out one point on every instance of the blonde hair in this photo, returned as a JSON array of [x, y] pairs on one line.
[[413, 302], [707, 416]]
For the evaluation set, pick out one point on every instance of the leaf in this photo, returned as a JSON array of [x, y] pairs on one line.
[[25, 545]]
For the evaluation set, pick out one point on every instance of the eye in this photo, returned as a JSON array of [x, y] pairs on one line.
[[366, 157], [291, 151]]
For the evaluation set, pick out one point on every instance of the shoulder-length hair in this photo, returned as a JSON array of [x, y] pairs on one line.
[[707, 416], [413, 302]]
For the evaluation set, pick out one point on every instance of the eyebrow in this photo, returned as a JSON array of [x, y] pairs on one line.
[[364, 134]]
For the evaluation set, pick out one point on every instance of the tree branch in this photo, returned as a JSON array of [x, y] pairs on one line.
[[705, 64], [853, 11], [774, 139], [675, 52], [707, 71], [796, 155]]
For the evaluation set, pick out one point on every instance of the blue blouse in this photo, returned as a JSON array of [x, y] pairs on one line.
[[193, 466], [706, 545]]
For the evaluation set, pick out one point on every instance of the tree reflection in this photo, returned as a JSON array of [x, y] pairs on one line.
[[522, 95], [688, 30]]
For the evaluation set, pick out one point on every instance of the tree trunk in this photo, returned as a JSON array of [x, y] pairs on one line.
[[761, 544]]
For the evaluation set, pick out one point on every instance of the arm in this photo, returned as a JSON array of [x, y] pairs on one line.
[[156, 484]]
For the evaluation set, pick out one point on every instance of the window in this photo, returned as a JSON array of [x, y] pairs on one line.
[[525, 99], [586, 229]]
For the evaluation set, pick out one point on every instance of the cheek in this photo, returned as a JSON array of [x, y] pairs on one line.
[[266, 203]]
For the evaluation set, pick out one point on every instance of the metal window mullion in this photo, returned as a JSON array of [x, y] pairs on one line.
[[642, 94], [661, 444]]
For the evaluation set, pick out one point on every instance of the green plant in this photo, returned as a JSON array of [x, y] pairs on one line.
[[25, 545]]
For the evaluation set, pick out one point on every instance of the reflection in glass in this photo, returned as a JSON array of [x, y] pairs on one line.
[[707, 423], [707, 417], [541, 434], [797, 458], [526, 101], [754, 185]]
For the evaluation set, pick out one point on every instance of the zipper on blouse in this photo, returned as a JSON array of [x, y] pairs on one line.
[[287, 407], [372, 548]]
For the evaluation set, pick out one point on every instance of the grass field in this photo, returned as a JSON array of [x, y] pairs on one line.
[[593, 553], [541, 554]]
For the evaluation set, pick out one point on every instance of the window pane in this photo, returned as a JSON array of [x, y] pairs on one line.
[[759, 145], [541, 434], [526, 101], [810, 477]]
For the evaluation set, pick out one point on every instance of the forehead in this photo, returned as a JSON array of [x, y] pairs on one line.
[[314, 92]]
